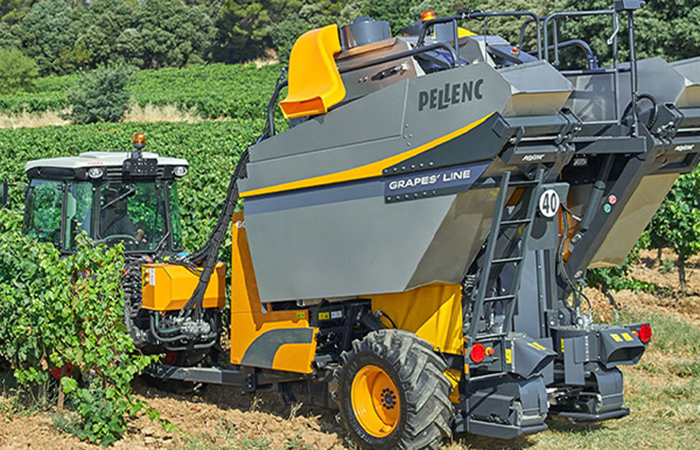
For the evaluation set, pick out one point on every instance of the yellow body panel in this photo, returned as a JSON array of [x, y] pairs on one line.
[[463, 32], [314, 80], [367, 171], [264, 339], [454, 376], [433, 312], [167, 287]]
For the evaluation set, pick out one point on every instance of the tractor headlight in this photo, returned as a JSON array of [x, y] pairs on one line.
[[180, 171], [95, 172]]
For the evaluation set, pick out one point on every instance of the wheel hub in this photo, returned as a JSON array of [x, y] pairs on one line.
[[375, 401], [388, 398]]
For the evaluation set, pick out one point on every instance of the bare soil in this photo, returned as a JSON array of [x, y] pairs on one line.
[[219, 416]]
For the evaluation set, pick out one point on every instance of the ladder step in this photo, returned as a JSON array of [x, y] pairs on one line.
[[507, 260], [523, 183], [480, 337], [499, 298], [515, 222]]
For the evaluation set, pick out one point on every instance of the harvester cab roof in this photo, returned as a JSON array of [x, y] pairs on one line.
[[114, 166]]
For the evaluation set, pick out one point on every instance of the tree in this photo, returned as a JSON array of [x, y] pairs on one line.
[[172, 32], [100, 96], [8, 36], [244, 27], [46, 32], [17, 71], [129, 48], [284, 34], [666, 29], [12, 11]]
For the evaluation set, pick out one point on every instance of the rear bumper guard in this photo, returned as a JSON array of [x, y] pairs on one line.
[[582, 417]]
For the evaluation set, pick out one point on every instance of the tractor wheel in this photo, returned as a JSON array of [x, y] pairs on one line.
[[392, 393]]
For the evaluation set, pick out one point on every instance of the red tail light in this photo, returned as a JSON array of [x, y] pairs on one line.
[[645, 333], [477, 353]]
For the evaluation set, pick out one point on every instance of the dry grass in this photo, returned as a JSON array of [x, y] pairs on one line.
[[270, 57], [165, 113], [135, 113], [32, 120]]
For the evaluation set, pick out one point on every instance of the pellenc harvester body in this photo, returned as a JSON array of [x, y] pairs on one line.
[[413, 248]]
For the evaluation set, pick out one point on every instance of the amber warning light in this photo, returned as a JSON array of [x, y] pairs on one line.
[[426, 15], [139, 140]]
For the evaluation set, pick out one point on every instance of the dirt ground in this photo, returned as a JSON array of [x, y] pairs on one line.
[[218, 416]]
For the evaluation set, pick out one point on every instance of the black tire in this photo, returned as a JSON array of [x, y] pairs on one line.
[[423, 390]]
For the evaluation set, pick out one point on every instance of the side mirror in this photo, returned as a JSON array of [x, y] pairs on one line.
[[3, 194]]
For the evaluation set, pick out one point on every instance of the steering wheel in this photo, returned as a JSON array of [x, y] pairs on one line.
[[120, 236]]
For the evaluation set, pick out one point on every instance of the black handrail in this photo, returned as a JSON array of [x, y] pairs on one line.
[[467, 14], [583, 45], [566, 15]]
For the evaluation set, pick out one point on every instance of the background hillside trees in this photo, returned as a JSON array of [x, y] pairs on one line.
[[65, 36]]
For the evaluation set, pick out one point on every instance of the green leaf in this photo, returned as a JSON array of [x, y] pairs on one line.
[[69, 385]]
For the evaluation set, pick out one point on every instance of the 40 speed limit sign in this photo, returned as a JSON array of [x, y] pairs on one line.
[[549, 203]]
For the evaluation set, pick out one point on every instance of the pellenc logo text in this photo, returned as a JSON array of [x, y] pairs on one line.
[[450, 94]]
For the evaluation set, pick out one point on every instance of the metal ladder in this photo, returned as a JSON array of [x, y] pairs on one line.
[[494, 263]]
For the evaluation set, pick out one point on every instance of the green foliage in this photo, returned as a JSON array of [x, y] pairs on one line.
[[152, 34], [214, 90], [60, 311], [8, 36], [46, 33], [100, 96], [12, 11], [173, 32], [307, 16], [509, 27], [17, 71], [398, 14], [666, 29], [619, 277], [676, 224], [243, 27]]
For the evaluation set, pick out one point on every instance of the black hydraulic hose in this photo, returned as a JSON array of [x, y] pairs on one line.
[[655, 110], [180, 337], [209, 252], [383, 314], [597, 193], [527, 22], [161, 338], [583, 45], [269, 129], [271, 107], [578, 293]]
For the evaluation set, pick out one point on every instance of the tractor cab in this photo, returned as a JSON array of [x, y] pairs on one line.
[[112, 197]]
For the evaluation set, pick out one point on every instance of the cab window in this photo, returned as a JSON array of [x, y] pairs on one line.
[[42, 218]]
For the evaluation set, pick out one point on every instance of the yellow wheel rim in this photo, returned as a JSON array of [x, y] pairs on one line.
[[375, 401]]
